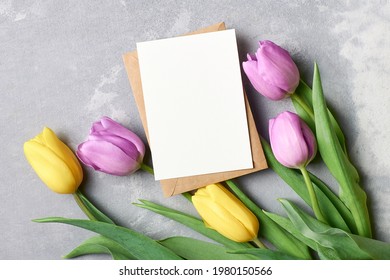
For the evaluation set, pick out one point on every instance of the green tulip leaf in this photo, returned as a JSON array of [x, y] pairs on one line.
[[301, 100], [193, 223], [306, 93], [91, 209], [265, 254], [193, 249], [337, 161], [275, 234], [335, 216], [338, 204], [100, 245], [289, 227], [137, 244], [334, 243]]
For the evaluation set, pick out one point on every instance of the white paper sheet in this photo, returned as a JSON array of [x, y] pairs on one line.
[[194, 105]]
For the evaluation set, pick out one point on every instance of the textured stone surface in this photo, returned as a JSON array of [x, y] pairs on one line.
[[61, 66]]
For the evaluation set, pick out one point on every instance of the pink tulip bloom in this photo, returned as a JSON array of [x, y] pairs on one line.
[[271, 71], [292, 141], [112, 148]]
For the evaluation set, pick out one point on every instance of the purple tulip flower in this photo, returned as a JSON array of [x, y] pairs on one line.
[[271, 71], [292, 141], [112, 148]]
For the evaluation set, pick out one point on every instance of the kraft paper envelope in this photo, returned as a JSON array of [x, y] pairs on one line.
[[175, 186]]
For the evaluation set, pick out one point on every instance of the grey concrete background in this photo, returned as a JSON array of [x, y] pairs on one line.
[[61, 67]]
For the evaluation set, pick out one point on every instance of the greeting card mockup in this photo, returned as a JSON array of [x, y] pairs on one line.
[[181, 184], [195, 105]]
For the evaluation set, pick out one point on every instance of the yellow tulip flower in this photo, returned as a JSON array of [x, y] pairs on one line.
[[225, 213], [54, 162]]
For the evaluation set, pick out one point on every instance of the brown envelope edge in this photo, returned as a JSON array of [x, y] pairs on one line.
[[175, 186]]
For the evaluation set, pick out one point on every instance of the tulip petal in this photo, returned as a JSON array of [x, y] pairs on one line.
[[97, 126], [50, 168], [225, 213], [116, 128], [287, 141], [310, 140], [52, 142], [125, 145], [232, 204], [276, 66], [242, 213], [106, 157], [112, 148], [263, 87], [221, 220], [251, 57]]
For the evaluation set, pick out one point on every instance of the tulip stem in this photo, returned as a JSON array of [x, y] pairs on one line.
[[82, 206], [147, 168], [303, 104], [313, 198], [259, 243]]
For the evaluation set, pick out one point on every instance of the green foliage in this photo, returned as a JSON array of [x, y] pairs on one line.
[[331, 243], [265, 254], [137, 245], [326, 200], [91, 209], [337, 161], [193, 223], [101, 245], [193, 249], [270, 230]]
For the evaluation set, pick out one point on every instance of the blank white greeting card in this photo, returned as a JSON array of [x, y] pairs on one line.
[[194, 104]]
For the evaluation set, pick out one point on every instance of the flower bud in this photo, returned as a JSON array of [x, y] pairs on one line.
[[292, 141], [225, 213], [112, 148], [271, 71], [54, 162]]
